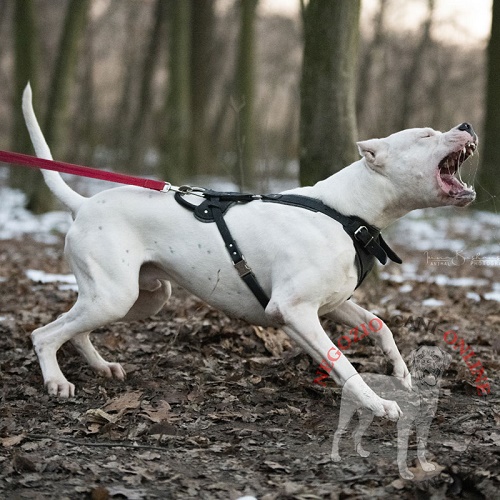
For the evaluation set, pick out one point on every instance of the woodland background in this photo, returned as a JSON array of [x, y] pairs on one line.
[[195, 88], [223, 92]]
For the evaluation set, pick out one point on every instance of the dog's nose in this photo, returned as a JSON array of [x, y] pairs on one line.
[[467, 127]]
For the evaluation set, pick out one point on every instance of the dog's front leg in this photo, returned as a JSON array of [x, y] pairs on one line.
[[403, 436], [350, 314], [301, 323], [423, 425]]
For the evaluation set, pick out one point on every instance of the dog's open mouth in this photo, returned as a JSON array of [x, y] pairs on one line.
[[429, 377], [448, 174]]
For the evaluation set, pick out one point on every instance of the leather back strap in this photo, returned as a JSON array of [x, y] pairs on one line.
[[365, 236]]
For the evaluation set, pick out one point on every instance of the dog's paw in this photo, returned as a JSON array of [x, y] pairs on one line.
[[361, 451], [335, 457], [407, 382], [403, 375], [427, 467], [406, 474], [112, 370], [392, 410], [60, 388]]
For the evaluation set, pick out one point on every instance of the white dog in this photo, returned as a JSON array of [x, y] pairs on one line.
[[127, 244], [427, 366]]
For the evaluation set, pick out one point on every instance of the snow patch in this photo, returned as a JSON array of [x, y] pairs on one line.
[[495, 294], [432, 302], [43, 277], [15, 220], [473, 296]]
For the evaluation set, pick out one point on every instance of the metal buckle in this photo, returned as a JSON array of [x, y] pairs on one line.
[[359, 236], [242, 267]]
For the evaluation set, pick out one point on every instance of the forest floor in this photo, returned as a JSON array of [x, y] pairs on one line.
[[213, 408]]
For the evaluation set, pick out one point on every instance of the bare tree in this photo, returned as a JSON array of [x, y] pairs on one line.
[[244, 96], [202, 75], [63, 74], [373, 65], [489, 180], [176, 147], [137, 140], [412, 76], [24, 72], [328, 115]]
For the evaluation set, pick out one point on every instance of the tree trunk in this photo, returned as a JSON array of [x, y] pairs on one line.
[[63, 75], [176, 152], [244, 99], [24, 72], [412, 76], [202, 73], [328, 131], [489, 180], [372, 67], [138, 142], [124, 112]]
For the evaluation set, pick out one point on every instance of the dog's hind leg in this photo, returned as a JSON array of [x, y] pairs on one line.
[[84, 346], [99, 302], [147, 304], [347, 409], [352, 315], [403, 436], [423, 424], [365, 419]]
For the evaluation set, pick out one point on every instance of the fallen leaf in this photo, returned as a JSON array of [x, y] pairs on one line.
[[275, 341], [420, 475], [99, 493], [12, 440], [161, 412], [127, 401], [456, 445], [149, 455], [399, 484], [100, 416]]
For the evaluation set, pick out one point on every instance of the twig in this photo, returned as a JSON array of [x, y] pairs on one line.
[[106, 444], [463, 418]]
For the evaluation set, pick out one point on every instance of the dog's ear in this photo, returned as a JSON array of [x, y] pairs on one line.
[[374, 151], [411, 359], [446, 359]]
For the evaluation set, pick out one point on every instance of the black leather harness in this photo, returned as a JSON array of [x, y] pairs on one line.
[[367, 240]]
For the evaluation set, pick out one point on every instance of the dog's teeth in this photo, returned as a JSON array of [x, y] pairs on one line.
[[464, 151]]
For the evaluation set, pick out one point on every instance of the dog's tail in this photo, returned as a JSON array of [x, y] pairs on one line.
[[53, 179]]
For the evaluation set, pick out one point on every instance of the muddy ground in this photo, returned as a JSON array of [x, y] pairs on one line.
[[214, 408]]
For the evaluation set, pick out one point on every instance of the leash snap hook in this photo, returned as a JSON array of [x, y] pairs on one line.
[[185, 189]]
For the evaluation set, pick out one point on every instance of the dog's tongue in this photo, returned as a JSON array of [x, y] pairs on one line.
[[449, 182], [430, 379]]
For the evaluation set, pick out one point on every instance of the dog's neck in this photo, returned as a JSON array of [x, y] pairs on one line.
[[355, 190]]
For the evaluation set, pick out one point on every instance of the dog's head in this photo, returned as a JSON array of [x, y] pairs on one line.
[[427, 364], [421, 166]]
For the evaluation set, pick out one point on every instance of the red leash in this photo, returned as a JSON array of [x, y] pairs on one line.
[[70, 168]]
